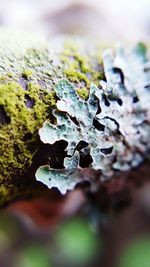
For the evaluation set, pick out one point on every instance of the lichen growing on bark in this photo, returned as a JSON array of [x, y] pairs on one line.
[[28, 73], [113, 125]]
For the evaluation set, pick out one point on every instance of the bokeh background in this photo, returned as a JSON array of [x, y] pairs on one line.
[[107, 20]]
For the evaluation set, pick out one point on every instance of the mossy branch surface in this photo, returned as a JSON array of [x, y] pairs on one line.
[[29, 69]]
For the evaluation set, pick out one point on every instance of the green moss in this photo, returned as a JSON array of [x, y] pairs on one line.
[[81, 69], [2, 78], [27, 74], [23, 122], [83, 93], [19, 138]]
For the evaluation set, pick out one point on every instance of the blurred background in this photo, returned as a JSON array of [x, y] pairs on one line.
[[112, 228], [107, 20]]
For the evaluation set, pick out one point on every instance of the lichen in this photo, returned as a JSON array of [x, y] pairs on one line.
[[113, 125]]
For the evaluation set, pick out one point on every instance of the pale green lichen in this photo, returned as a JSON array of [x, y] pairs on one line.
[[55, 178], [113, 125]]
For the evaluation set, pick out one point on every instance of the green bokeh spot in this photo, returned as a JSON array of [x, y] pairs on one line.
[[34, 256], [77, 242], [137, 254]]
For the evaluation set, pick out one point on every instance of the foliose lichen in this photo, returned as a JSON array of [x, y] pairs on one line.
[[112, 126]]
